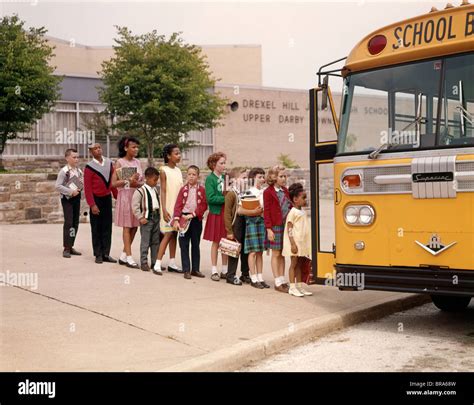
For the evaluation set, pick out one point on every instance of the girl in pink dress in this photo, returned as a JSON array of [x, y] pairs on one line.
[[128, 151]]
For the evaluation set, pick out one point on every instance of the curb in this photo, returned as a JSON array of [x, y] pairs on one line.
[[241, 354]]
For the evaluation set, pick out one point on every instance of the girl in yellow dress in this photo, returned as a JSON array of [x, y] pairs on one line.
[[297, 239], [171, 181]]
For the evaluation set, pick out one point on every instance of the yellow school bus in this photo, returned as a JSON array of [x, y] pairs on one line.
[[403, 177]]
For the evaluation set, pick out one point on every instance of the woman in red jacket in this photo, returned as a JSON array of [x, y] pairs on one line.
[[277, 204]]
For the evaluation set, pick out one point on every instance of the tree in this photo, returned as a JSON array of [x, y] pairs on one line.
[[160, 88], [100, 122], [286, 161], [28, 88]]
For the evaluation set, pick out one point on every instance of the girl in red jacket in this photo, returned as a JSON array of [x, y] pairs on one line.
[[190, 205], [277, 203]]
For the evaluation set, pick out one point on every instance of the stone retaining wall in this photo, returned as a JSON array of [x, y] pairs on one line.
[[32, 198], [29, 198]]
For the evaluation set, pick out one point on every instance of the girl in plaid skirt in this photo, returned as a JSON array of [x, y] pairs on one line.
[[277, 205], [256, 241]]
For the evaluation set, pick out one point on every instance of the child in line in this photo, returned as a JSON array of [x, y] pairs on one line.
[[99, 191], [255, 234], [191, 204], [215, 229], [128, 152], [171, 181], [277, 204], [146, 208], [297, 239], [235, 222], [70, 201]]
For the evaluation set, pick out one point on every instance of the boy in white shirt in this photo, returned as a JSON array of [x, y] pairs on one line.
[[146, 208], [70, 200]]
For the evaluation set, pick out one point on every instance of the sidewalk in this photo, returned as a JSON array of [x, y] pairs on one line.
[[89, 317]]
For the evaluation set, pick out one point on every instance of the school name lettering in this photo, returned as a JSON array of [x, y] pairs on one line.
[[255, 117], [270, 105], [281, 119], [425, 32]]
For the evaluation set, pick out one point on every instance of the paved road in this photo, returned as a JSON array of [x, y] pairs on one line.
[[421, 339], [80, 316]]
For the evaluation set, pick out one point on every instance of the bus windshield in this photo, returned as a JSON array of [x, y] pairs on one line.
[[411, 115]]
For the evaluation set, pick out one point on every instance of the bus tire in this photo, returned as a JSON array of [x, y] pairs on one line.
[[449, 303]]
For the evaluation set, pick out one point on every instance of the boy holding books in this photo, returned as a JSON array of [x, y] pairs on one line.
[[69, 183], [146, 208]]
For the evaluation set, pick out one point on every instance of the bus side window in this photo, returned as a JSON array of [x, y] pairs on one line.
[[457, 113], [326, 127]]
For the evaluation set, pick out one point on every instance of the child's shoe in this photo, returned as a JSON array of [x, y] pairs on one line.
[[157, 270], [131, 263], [294, 291], [300, 288]]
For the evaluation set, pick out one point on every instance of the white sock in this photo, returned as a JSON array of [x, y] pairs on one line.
[[158, 265], [172, 263], [259, 276], [224, 269], [283, 281], [123, 256], [254, 278], [278, 282], [130, 260], [214, 269]]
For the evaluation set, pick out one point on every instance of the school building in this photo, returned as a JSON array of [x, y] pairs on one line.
[[260, 125]]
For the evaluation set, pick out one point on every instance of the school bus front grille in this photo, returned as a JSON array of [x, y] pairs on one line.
[[401, 179], [373, 186]]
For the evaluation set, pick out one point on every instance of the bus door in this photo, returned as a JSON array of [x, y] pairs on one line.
[[323, 139]]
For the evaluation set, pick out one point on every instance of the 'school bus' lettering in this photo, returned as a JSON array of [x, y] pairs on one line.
[[423, 33]]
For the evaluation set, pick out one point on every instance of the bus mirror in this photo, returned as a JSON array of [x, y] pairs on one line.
[[324, 95]]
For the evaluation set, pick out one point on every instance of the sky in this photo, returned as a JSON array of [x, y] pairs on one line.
[[296, 37]]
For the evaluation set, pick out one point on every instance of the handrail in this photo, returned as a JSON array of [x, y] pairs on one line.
[[329, 72]]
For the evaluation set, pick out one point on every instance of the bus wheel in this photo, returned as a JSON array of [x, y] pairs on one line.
[[450, 303]]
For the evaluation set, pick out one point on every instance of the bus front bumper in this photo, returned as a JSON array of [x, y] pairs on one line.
[[427, 280]]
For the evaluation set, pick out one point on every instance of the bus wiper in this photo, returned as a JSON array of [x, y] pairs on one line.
[[376, 152], [416, 121], [466, 114]]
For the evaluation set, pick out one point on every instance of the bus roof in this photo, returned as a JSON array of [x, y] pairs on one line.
[[437, 33]]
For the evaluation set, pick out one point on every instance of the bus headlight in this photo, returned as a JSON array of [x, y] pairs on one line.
[[351, 215], [361, 215], [366, 215]]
